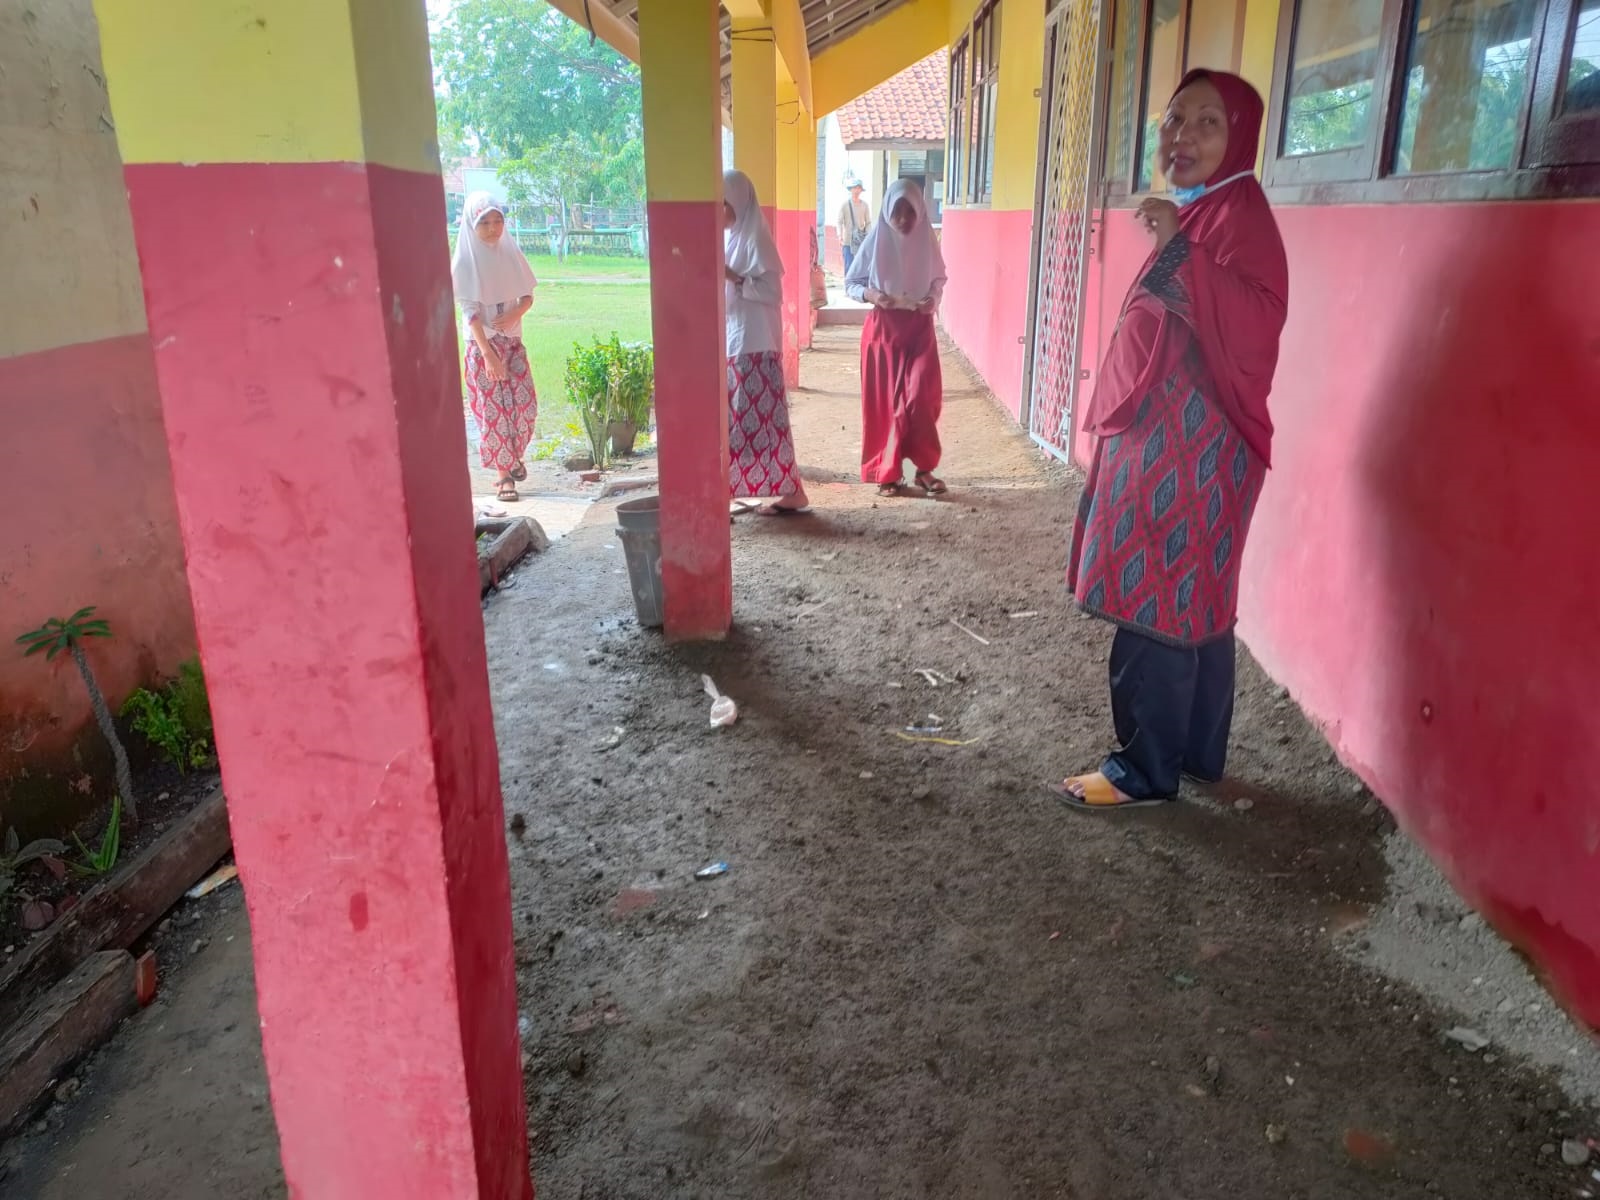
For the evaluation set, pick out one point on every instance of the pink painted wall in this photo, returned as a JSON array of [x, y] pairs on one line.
[[85, 486], [1423, 572], [85, 482], [986, 301]]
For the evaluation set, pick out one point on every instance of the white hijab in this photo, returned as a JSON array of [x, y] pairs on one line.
[[748, 244], [904, 266], [487, 275]]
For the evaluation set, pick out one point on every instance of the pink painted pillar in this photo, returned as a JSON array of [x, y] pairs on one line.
[[681, 64], [295, 271]]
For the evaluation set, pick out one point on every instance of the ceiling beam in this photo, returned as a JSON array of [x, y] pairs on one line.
[[622, 36]]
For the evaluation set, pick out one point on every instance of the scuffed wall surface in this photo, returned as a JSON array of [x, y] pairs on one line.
[[85, 485], [65, 238]]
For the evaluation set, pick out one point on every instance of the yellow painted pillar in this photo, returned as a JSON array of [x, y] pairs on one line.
[[681, 62], [796, 222], [755, 98], [282, 171]]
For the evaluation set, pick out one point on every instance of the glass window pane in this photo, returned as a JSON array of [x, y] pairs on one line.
[[1332, 76], [1583, 68], [1466, 79], [1163, 69], [1124, 78]]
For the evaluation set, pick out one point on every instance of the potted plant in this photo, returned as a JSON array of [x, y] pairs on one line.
[[589, 389], [633, 389]]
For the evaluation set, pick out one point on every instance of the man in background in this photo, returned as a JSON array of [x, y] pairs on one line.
[[853, 221]]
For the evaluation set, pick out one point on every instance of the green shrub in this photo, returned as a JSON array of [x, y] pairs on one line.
[[176, 719]]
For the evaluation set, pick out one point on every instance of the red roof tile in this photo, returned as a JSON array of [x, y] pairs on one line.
[[911, 107]]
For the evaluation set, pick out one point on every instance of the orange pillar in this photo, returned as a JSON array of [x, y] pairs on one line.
[[281, 168], [796, 220], [682, 75]]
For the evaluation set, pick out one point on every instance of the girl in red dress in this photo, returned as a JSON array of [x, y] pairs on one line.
[[900, 272]]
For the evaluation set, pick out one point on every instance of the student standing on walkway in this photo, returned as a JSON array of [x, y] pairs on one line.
[[494, 286], [1180, 411], [900, 272], [761, 459]]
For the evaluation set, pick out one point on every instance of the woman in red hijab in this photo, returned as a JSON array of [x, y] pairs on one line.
[[1180, 411]]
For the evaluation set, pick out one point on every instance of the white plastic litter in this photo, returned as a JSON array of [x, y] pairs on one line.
[[724, 711]]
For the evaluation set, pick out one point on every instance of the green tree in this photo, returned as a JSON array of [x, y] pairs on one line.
[[529, 89]]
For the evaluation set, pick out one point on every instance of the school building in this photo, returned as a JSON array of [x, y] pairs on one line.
[[1422, 574]]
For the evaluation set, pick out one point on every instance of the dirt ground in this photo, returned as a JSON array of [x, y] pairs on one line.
[[920, 976]]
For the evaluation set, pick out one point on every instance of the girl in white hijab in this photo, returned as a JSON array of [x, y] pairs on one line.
[[900, 271], [494, 286], [761, 458]]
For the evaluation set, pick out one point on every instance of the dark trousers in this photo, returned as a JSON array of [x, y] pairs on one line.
[[849, 256], [1173, 708]]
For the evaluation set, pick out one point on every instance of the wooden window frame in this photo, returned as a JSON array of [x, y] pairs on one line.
[[984, 90], [1558, 153], [1551, 145], [1555, 138], [974, 89], [1347, 165], [958, 134]]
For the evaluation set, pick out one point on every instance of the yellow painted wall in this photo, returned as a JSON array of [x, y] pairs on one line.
[[1016, 132], [1016, 135]]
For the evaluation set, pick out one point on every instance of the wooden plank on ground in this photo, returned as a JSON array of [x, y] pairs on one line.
[[117, 911], [73, 1018]]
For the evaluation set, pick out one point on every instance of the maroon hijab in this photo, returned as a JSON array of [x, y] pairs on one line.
[[1237, 280]]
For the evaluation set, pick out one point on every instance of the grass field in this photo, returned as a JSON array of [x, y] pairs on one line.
[[564, 313], [585, 297], [588, 266]]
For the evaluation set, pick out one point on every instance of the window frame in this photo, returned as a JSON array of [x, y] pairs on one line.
[[1554, 138], [1351, 164], [1558, 154], [1550, 160], [974, 94], [956, 134]]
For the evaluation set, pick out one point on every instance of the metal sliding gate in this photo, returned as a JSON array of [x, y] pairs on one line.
[[1063, 219]]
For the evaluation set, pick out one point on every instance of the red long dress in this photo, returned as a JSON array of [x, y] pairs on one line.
[[902, 394]]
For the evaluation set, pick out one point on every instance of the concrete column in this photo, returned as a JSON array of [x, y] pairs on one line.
[[681, 64], [755, 99], [282, 171], [796, 219]]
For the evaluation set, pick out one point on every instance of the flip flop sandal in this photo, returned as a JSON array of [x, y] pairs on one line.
[[889, 489], [519, 471], [1099, 795], [934, 486], [777, 510], [507, 490]]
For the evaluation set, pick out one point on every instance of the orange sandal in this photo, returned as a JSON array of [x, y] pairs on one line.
[[1100, 795]]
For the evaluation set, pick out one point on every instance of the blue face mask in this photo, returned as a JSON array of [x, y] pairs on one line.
[[1185, 196]]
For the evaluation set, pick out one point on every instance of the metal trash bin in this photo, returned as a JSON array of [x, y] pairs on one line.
[[639, 531]]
